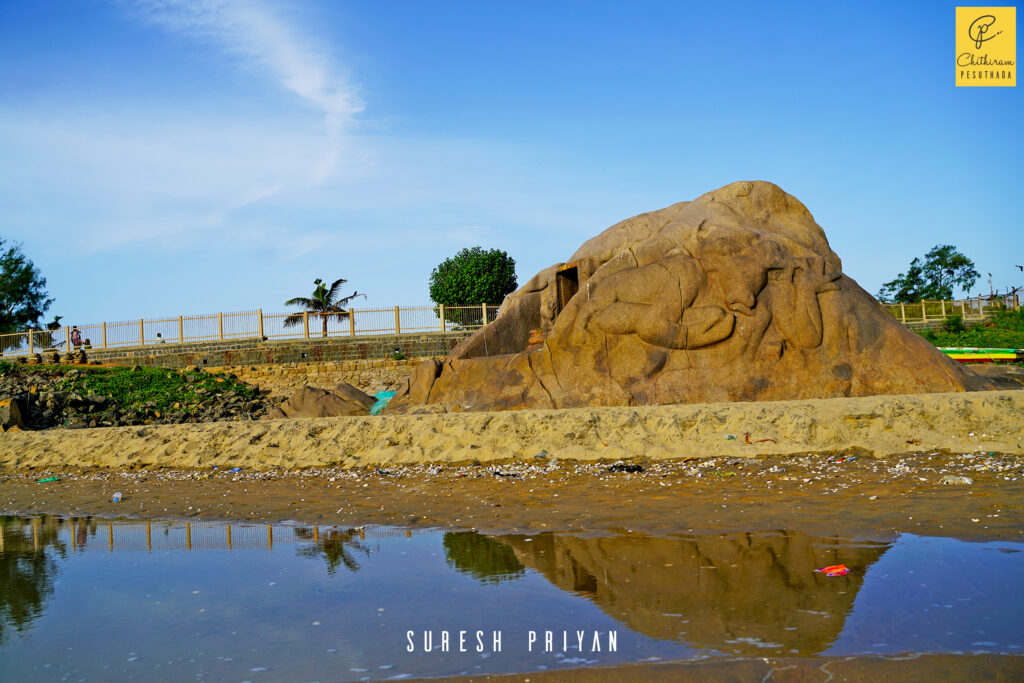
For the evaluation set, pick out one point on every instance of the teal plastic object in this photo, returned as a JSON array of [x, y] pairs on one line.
[[382, 402]]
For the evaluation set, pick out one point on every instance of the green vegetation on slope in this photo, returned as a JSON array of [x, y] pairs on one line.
[[162, 387], [55, 395], [1005, 330]]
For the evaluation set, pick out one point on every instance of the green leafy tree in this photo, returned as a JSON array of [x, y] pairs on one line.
[[472, 277], [943, 269], [325, 303], [23, 298], [481, 557]]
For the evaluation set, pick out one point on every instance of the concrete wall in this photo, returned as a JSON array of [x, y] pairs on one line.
[[369, 376], [253, 351]]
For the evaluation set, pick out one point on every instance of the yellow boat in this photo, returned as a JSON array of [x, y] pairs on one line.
[[971, 355]]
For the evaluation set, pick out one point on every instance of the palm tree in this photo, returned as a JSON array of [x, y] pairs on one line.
[[324, 303]]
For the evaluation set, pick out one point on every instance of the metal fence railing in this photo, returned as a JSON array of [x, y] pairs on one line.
[[248, 324], [977, 308]]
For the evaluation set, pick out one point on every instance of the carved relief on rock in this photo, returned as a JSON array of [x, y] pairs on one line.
[[735, 295]]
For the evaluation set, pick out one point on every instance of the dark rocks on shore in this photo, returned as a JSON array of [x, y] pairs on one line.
[[36, 398]]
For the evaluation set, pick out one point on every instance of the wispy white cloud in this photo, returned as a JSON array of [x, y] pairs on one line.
[[101, 175], [262, 34]]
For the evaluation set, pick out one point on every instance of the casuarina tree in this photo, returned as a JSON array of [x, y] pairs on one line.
[[472, 277], [942, 270], [23, 298], [325, 303]]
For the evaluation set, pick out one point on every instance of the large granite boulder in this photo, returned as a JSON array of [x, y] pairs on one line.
[[10, 415], [734, 296], [306, 401]]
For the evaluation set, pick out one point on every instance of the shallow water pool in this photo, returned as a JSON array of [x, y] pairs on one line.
[[91, 599]]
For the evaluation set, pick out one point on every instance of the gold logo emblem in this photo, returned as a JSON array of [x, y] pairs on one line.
[[986, 46]]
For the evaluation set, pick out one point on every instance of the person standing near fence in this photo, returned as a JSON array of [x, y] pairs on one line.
[[76, 336]]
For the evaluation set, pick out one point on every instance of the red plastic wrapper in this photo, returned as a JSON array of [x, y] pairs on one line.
[[834, 570]]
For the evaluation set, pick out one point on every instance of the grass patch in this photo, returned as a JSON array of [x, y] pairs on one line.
[[1004, 330], [155, 388]]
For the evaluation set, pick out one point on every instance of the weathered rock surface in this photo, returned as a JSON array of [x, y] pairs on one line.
[[10, 415], [734, 296], [309, 401]]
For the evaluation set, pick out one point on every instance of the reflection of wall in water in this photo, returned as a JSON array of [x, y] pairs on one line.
[[761, 588]]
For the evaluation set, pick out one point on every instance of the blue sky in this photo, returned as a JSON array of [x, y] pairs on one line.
[[173, 156]]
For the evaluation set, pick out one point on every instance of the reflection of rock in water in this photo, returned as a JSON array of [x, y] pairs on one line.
[[739, 592], [27, 570], [481, 557]]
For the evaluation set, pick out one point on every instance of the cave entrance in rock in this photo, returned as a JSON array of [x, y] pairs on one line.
[[568, 281]]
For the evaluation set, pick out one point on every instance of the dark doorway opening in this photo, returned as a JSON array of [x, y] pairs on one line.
[[568, 282]]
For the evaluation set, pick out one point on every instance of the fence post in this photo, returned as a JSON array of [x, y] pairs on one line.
[[104, 335], [259, 312], [398, 322], [943, 308], [220, 326], [483, 307], [181, 329], [67, 339], [142, 332], [351, 322], [440, 314], [30, 349], [963, 309], [924, 311], [305, 324], [981, 307]]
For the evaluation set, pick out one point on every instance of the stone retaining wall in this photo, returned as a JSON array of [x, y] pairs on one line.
[[254, 351], [369, 376]]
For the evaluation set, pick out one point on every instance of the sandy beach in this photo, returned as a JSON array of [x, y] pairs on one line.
[[870, 426]]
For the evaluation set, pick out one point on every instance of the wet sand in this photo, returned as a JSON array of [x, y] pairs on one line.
[[823, 494], [911, 669]]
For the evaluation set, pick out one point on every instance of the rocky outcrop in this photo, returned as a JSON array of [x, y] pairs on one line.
[[734, 296], [343, 399], [10, 415], [60, 397]]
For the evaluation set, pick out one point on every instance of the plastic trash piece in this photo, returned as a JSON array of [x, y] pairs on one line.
[[116, 498], [730, 437], [382, 402], [619, 467], [746, 439], [834, 570], [47, 479], [235, 469]]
